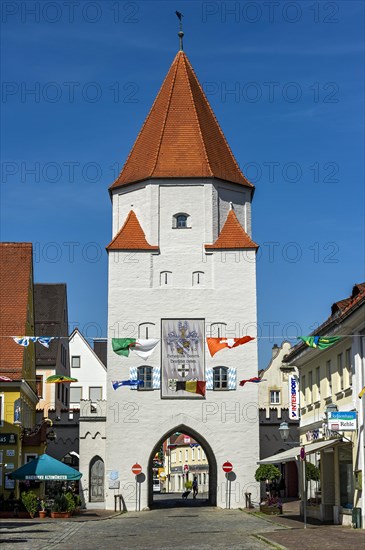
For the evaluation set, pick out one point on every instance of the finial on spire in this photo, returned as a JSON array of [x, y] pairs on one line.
[[231, 206], [180, 33]]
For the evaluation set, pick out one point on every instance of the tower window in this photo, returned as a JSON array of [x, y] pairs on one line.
[[198, 278], [180, 221], [220, 378], [165, 278], [145, 374]]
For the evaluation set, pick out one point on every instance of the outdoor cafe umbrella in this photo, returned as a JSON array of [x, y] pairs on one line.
[[46, 468]]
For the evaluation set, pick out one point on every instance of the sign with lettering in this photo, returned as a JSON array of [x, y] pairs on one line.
[[182, 356], [8, 439], [342, 421], [293, 397]]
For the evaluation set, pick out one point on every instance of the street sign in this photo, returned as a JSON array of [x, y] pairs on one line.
[[342, 421], [186, 467], [136, 469], [227, 467], [302, 453]]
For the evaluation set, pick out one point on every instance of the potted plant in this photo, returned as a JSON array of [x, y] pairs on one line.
[[42, 511], [59, 507], [71, 505], [30, 502], [270, 474]]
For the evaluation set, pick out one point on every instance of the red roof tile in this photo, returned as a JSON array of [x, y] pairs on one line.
[[131, 236], [15, 284], [180, 137], [232, 235]]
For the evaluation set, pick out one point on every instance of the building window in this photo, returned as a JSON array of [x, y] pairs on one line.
[[274, 397], [63, 393], [199, 453], [95, 393], [145, 374], [1, 409], [180, 221], [75, 361], [340, 370], [302, 391], [310, 386], [203, 454], [66, 396], [165, 278], [220, 378], [348, 366], [63, 355], [59, 391], [218, 330], [173, 458], [329, 378], [75, 394], [198, 278], [39, 386], [318, 382], [204, 479], [192, 454], [146, 330], [180, 456], [186, 455]]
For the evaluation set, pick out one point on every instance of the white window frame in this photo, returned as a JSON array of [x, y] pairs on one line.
[[270, 397], [72, 361], [101, 393], [141, 375], [218, 381], [76, 388], [175, 221]]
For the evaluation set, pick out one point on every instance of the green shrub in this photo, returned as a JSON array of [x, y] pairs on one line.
[[60, 504], [70, 502], [30, 502], [188, 485]]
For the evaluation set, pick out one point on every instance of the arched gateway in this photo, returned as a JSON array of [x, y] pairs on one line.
[[212, 496], [182, 268]]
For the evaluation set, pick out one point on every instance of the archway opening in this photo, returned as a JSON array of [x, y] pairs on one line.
[[182, 471]]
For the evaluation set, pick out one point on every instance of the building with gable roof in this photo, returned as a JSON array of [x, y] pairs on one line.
[[181, 267]]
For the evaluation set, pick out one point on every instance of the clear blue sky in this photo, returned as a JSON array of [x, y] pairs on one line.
[[286, 83]]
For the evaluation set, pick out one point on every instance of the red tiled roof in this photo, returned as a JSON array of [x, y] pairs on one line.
[[180, 137], [15, 284], [232, 235], [131, 236]]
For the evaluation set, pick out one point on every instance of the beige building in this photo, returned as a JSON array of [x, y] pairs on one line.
[[184, 458], [330, 381]]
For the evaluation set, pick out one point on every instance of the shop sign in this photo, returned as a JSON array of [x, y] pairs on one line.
[[8, 439], [313, 435], [342, 421], [293, 397]]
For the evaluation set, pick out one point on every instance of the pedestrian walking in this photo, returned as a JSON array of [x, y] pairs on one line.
[[195, 487]]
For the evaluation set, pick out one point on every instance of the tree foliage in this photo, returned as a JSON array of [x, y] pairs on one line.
[[267, 471], [311, 472]]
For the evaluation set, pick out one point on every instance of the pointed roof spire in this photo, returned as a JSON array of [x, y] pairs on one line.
[[232, 236], [131, 236], [181, 137], [180, 33]]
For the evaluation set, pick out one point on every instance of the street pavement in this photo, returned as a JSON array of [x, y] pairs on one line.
[[187, 526]]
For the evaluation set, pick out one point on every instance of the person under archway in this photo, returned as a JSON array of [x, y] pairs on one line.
[[195, 487]]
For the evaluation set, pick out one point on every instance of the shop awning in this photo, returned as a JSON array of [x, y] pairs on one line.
[[293, 454], [45, 468]]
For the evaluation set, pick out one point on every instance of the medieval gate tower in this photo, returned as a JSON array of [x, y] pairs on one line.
[[182, 267]]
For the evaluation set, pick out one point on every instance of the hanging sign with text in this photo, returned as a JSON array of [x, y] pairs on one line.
[[293, 397], [342, 421]]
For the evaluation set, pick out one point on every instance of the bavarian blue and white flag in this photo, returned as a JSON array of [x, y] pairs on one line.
[[24, 340], [118, 384]]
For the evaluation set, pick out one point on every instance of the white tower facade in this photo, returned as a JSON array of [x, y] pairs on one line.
[[182, 267]]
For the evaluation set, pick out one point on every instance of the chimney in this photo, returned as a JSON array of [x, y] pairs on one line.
[[100, 348]]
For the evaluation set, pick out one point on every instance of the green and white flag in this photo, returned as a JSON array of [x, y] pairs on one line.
[[143, 348]]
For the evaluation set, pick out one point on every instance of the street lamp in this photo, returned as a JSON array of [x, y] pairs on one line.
[[284, 431]]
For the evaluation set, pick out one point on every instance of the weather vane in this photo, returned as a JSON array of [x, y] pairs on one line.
[[180, 33]]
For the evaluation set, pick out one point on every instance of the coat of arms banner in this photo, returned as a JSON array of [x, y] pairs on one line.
[[182, 355]]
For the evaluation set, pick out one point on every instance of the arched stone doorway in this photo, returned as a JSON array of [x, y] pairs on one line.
[[96, 480], [212, 496]]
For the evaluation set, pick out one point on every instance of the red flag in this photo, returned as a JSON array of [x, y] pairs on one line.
[[216, 344], [256, 379]]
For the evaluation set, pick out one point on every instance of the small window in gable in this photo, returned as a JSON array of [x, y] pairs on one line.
[[146, 330], [165, 278], [180, 221], [198, 278]]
